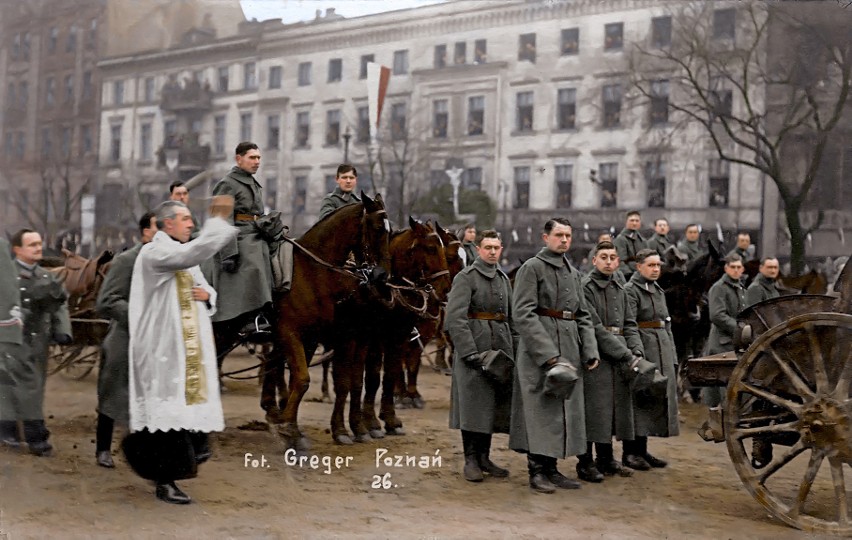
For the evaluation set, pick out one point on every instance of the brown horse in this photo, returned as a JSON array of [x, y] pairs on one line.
[[321, 279], [82, 279], [418, 258]]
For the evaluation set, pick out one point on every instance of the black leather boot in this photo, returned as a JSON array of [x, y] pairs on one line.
[[9, 434], [654, 462], [631, 458], [472, 472], [607, 464], [170, 493], [557, 478], [484, 453], [538, 479], [36, 434], [586, 469]]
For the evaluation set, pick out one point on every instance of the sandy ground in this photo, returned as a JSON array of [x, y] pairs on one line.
[[68, 496]]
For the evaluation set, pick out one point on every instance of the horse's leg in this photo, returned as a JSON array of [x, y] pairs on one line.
[[392, 375], [341, 375], [372, 381], [412, 368], [300, 381], [274, 392], [356, 420], [326, 364]]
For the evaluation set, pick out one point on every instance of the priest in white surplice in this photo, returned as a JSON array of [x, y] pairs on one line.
[[174, 383]]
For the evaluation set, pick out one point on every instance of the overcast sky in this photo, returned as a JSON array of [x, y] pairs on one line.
[[291, 11]]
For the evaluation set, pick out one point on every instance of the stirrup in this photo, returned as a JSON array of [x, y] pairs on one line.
[[262, 330]]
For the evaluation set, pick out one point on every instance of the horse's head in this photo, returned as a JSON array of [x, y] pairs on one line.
[[375, 231], [452, 245], [675, 260], [419, 256]]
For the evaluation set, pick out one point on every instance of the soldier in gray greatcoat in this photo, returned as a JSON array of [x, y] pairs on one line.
[[689, 243], [344, 193], [241, 272], [554, 326], [609, 404], [765, 285], [478, 315], [45, 310], [727, 299], [744, 248], [112, 303], [468, 239], [654, 415], [12, 350], [628, 243], [660, 242]]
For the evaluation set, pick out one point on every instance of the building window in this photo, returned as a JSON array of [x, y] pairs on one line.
[[50, 92], [398, 114], [655, 180], [300, 194], [332, 127], [52, 40], [400, 62], [71, 44], [440, 118], [460, 54], [522, 187], [472, 179], [9, 147], [564, 180], [440, 59], [335, 70], [219, 134], [480, 51], [475, 115], [273, 131], [249, 76], [11, 100], [23, 93], [85, 140], [170, 132], [222, 76], [118, 92], [148, 89], [22, 144], [275, 77], [363, 134], [365, 59], [720, 180], [724, 23], [524, 111], [271, 193], [613, 36], [145, 142], [612, 105], [330, 184], [92, 39], [567, 108], [609, 184], [721, 99], [69, 88], [115, 142], [659, 102], [303, 128], [661, 31], [245, 126], [305, 74], [88, 88], [25, 46], [570, 41], [65, 141], [526, 47]]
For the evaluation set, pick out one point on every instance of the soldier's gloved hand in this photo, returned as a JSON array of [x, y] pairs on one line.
[[62, 338], [229, 265], [473, 360]]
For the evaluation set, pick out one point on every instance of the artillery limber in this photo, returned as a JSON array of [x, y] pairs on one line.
[[787, 409]]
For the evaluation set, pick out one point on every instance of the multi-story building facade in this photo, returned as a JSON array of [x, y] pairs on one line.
[[532, 101]]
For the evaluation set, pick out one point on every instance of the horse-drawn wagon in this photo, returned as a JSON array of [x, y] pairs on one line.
[[788, 406]]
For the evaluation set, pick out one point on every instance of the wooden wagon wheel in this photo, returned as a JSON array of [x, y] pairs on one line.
[[791, 389]]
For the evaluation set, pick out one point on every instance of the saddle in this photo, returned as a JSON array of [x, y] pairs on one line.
[[81, 278]]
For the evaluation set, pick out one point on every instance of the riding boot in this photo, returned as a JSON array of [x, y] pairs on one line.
[[9, 434], [586, 469], [103, 441], [538, 479], [654, 462], [557, 478], [607, 464], [632, 458], [472, 472], [484, 453]]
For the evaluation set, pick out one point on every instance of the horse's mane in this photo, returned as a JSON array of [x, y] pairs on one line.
[[340, 213]]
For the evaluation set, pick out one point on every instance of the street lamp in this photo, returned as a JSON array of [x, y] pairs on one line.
[[455, 180], [346, 137]]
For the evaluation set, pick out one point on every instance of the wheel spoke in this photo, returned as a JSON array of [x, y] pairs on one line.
[[839, 489], [798, 383], [842, 389], [810, 474], [765, 430], [772, 398], [819, 362], [776, 464]]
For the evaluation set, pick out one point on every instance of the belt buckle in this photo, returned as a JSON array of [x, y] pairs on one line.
[[566, 315]]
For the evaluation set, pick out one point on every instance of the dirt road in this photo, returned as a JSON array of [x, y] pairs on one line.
[[68, 496]]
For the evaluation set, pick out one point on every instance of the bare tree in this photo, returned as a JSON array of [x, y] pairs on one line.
[[770, 82]]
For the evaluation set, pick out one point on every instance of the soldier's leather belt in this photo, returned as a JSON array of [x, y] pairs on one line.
[[245, 217], [564, 315], [652, 324], [483, 316], [614, 330]]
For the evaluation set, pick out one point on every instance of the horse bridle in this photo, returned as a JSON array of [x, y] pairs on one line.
[[365, 246]]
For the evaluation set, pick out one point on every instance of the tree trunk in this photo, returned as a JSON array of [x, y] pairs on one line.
[[797, 238]]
